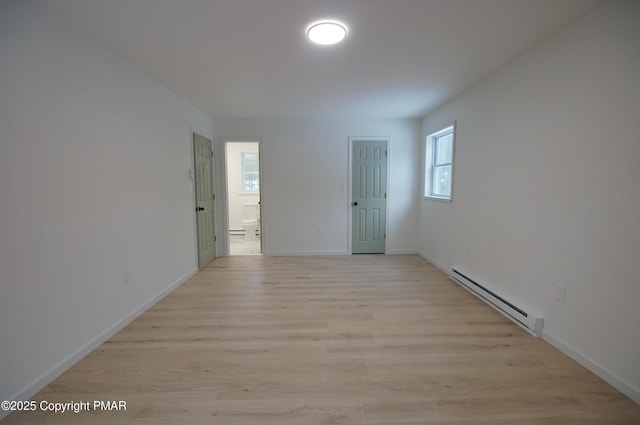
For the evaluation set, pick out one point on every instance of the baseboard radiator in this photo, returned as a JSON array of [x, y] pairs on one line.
[[241, 232], [526, 319]]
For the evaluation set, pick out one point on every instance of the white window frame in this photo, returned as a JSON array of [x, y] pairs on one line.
[[244, 173], [430, 165]]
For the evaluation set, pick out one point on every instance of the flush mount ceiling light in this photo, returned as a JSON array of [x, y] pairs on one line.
[[326, 32]]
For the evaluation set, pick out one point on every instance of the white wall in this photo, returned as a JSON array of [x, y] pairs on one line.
[[237, 199], [93, 183], [546, 188], [304, 164]]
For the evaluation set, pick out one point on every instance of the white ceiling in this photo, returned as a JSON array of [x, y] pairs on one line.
[[250, 58]]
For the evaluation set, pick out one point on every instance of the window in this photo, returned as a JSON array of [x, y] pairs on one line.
[[250, 172], [438, 174]]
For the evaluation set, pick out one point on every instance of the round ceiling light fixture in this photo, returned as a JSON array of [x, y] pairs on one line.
[[326, 32]]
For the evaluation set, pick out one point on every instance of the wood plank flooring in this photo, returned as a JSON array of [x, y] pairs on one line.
[[365, 339]]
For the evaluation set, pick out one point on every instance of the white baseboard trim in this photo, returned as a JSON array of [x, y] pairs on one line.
[[435, 262], [620, 384], [43, 380], [401, 252], [304, 253]]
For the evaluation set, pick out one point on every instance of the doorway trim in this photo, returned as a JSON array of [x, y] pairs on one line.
[[350, 186], [225, 201]]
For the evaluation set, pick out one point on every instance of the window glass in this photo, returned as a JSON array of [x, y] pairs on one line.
[[442, 181], [250, 172], [444, 148]]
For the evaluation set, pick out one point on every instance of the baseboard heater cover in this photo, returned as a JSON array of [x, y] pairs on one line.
[[521, 316]]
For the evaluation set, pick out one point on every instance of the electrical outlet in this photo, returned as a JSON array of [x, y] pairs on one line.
[[561, 293]]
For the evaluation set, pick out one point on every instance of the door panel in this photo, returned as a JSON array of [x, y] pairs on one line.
[[369, 196], [204, 199]]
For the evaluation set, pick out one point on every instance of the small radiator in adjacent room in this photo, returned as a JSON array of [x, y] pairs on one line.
[[526, 319]]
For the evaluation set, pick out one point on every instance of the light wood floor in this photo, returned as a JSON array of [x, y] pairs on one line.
[[330, 340]]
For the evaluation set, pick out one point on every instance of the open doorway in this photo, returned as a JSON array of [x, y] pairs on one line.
[[243, 197]]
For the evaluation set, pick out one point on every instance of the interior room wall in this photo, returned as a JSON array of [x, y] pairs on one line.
[[305, 166], [96, 214], [546, 188], [235, 198]]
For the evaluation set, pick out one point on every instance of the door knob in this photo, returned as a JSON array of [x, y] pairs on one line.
[[200, 209], [355, 203]]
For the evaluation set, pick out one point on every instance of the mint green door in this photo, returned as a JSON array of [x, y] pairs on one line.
[[369, 203], [203, 164]]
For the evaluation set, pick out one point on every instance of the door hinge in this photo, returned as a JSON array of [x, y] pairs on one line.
[[215, 239], [214, 196], [211, 154], [385, 152], [385, 236], [385, 195]]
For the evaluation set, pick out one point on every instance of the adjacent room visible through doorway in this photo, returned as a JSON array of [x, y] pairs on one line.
[[243, 198]]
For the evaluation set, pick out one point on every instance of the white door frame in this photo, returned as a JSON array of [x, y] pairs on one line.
[[350, 191]]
